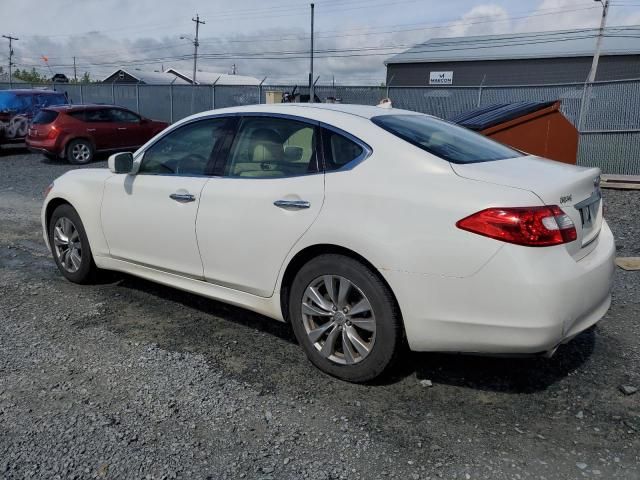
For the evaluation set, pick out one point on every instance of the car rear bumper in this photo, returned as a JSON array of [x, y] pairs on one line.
[[48, 146], [523, 301]]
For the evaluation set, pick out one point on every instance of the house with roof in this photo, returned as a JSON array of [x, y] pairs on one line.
[[171, 76], [135, 76], [209, 78], [540, 58]]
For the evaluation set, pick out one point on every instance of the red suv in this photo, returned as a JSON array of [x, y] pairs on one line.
[[77, 132]]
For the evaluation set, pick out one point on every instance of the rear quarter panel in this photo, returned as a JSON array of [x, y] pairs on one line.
[[399, 207]]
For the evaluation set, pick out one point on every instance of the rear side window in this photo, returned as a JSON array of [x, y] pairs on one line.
[[44, 117], [124, 116], [445, 140], [268, 147], [78, 115], [96, 116], [339, 150]]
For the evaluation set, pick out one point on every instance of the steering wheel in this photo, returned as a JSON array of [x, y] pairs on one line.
[[192, 163]]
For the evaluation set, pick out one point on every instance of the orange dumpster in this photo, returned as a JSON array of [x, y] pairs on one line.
[[538, 128]]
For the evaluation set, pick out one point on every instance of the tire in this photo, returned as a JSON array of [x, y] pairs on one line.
[[373, 353], [77, 266], [80, 152]]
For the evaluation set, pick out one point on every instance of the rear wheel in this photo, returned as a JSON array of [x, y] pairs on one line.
[[79, 152], [345, 318], [70, 245]]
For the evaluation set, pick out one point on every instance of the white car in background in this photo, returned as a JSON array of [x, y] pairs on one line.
[[364, 227]]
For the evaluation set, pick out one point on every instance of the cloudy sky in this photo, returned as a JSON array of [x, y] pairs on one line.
[[268, 38]]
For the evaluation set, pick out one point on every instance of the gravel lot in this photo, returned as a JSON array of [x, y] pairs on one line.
[[129, 379]]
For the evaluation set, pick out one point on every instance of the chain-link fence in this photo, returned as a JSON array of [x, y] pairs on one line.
[[607, 114]]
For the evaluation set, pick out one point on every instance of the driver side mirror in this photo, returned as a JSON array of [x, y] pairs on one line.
[[121, 162]]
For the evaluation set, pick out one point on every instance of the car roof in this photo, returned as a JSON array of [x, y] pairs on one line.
[[311, 110], [86, 106], [32, 91]]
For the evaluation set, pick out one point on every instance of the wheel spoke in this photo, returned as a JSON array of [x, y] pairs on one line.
[[362, 306], [357, 342], [59, 235], [330, 285], [74, 236], [330, 343], [347, 348], [319, 300], [343, 291], [311, 310], [64, 258], [367, 324], [314, 335], [75, 259]]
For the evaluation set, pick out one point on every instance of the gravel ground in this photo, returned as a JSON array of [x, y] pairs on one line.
[[129, 379]]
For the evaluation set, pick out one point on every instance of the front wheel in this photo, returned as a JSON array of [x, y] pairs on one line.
[[345, 318], [70, 245]]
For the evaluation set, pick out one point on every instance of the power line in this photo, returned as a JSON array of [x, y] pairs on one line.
[[420, 27], [349, 53]]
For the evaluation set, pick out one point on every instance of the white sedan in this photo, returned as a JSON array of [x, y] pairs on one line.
[[366, 228]]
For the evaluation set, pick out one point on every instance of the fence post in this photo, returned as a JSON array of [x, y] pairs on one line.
[[260, 90], [81, 95], [484, 77], [113, 93], [586, 95], [171, 103], [137, 98], [213, 93]]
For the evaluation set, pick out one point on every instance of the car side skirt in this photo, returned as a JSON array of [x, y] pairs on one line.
[[269, 307]]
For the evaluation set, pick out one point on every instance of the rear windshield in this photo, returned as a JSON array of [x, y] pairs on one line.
[[445, 140], [44, 116]]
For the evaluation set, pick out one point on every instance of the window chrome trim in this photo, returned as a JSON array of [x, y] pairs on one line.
[[367, 150]]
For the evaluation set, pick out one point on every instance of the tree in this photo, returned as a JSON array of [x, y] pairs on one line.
[[31, 77]]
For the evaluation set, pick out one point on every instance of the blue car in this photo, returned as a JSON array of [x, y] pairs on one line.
[[18, 107]]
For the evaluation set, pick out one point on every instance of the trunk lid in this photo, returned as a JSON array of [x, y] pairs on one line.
[[576, 190]]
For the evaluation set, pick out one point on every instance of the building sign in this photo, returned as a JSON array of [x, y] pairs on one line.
[[440, 78]]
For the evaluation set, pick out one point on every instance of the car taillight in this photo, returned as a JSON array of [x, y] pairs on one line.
[[53, 132], [529, 226]]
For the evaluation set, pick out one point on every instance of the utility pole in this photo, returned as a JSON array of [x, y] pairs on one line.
[[311, 82], [11, 39], [233, 69], [75, 73], [586, 92], [195, 46], [596, 55]]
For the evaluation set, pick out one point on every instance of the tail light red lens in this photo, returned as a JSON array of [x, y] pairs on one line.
[[53, 133], [529, 226]]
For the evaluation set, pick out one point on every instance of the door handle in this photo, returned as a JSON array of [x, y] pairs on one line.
[[292, 204], [91, 129], [122, 128], [182, 197]]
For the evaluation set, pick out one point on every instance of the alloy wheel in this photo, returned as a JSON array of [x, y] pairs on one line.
[[67, 245], [338, 319], [81, 153]]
